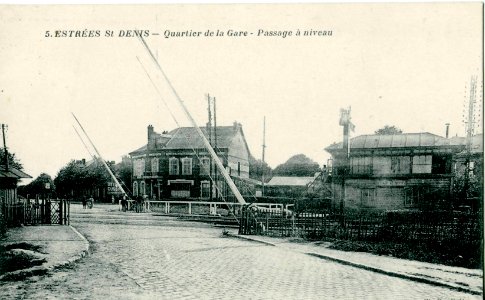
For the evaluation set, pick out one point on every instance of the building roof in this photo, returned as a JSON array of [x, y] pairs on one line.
[[289, 181], [141, 149], [248, 180], [188, 138], [12, 173], [404, 140]]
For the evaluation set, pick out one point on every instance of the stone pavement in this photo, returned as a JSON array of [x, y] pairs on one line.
[[139, 256], [60, 245], [461, 279]]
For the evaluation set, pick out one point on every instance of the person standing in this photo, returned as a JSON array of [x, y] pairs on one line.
[[124, 203], [84, 202], [90, 202]]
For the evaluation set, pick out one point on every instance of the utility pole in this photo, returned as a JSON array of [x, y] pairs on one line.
[[215, 144], [207, 145], [345, 121], [5, 147], [262, 158], [209, 134], [469, 135]]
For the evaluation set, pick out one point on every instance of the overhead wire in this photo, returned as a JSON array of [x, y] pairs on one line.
[[187, 138], [209, 148]]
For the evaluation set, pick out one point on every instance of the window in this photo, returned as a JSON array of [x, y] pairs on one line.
[[422, 164], [173, 168], [204, 189], [400, 164], [138, 167], [441, 164], [135, 188], [367, 196], [186, 166], [361, 165], [204, 166], [415, 196], [154, 165], [381, 165], [142, 188]]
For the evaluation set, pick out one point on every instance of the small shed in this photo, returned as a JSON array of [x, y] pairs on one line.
[[9, 178]]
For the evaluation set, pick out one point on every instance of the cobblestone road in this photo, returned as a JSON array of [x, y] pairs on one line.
[[174, 260]]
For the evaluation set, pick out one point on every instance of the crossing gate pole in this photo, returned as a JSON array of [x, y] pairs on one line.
[[68, 212]]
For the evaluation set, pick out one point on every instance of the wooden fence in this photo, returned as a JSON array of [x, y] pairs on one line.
[[36, 212], [413, 227]]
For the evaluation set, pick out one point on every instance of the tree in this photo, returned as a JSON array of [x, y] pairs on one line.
[[12, 160], [124, 171], [388, 130], [256, 169], [297, 165], [38, 186], [79, 178], [70, 178]]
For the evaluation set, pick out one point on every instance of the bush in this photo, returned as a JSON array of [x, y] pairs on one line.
[[467, 256]]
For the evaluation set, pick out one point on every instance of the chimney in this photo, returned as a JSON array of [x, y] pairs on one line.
[[236, 125], [150, 131], [447, 129]]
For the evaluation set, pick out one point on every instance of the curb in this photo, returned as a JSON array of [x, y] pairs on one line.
[[42, 270], [394, 274], [250, 239], [372, 269]]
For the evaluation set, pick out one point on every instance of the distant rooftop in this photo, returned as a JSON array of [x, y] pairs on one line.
[[289, 181], [404, 140]]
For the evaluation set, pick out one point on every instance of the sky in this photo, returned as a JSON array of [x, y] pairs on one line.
[[407, 65]]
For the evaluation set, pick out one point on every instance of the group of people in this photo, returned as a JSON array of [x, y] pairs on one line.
[[137, 205], [87, 202]]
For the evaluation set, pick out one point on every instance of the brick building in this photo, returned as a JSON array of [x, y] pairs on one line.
[[176, 164]]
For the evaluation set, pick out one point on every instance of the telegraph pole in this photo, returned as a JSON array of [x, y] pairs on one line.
[[262, 158], [207, 145], [5, 147], [215, 144], [469, 135], [209, 134], [345, 121]]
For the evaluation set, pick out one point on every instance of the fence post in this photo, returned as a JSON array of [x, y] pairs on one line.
[[64, 216], [42, 208], [60, 212], [69, 212]]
